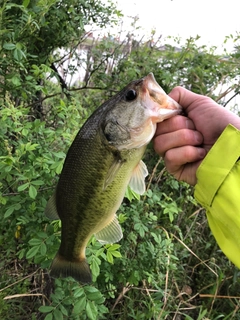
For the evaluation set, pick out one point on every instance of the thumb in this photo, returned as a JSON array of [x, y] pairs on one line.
[[186, 98]]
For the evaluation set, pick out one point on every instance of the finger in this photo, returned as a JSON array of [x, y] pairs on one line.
[[187, 173], [173, 140], [173, 124], [177, 157], [187, 98], [183, 96], [183, 162]]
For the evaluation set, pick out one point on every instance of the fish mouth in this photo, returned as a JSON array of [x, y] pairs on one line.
[[162, 106]]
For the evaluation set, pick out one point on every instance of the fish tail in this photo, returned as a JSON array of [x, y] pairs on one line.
[[78, 269]]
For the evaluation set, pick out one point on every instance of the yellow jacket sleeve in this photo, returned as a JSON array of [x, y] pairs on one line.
[[218, 191]]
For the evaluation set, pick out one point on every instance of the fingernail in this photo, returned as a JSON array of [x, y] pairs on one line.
[[188, 124], [198, 137], [201, 152]]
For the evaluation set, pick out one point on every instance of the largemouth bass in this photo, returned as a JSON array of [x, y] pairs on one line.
[[103, 159]]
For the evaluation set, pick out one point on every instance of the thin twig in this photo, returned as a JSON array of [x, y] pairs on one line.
[[227, 91], [218, 296], [166, 280], [12, 284], [153, 173], [25, 295], [231, 98], [124, 291], [194, 254]]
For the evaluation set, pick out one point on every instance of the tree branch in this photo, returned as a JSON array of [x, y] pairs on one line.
[[61, 80], [73, 89], [231, 98]]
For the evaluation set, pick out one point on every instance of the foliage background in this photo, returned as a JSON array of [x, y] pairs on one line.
[[53, 74]]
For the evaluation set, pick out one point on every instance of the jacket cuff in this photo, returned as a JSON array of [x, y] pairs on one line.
[[216, 165]]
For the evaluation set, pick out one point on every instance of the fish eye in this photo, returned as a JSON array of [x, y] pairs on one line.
[[131, 95]]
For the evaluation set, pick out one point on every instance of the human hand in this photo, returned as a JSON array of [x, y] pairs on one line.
[[185, 141]]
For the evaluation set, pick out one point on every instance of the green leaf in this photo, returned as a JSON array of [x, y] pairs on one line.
[[42, 235], [24, 132], [3, 200], [60, 155], [63, 310], [32, 252], [79, 306], [130, 194], [21, 254], [90, 289], [92, 293], [49, 316], [95, 268], [8, 212], [16, 80], [37, 182], [43, 249], [116, 254], [109, 257], [32, 192], [59, 167], [91, 310], [26, 3], [114, 247], [9, 46], [31, 146], [93, 296], [18, 54], [35, 242], [57, 314], [11, 209], [23, 186], [45, 309], [171, 217], [78, 292]]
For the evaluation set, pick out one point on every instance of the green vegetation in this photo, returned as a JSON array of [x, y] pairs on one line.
[[168, 265]]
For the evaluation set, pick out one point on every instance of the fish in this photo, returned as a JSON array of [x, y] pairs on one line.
[[104, 158]]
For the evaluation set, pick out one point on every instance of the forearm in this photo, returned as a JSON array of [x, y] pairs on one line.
[[218, 190]]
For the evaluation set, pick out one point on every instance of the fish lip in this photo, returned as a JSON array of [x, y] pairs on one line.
[[162, 106], [168, 113]]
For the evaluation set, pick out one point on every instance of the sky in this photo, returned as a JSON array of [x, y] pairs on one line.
[[212, 20]]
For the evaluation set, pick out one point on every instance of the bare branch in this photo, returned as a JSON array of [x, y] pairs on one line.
[[238, 92]]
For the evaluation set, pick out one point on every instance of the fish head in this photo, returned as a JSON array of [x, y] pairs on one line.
[[132, 119]]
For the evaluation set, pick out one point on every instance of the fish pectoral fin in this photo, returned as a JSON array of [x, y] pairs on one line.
[[112, 172], [111, 233], [137, 181], [51, 208]]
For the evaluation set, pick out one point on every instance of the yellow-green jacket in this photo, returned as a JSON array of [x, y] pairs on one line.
[[218, 191]]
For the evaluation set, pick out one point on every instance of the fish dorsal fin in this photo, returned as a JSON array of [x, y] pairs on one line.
[[51, 208], [111, 233], [113, 170], [137, 181]]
